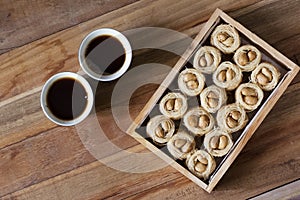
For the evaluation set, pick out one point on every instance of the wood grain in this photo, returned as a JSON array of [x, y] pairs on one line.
[[23, 21], [288, 191], [21, 123], [74, 174]]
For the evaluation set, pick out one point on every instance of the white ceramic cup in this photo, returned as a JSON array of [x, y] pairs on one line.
[[87, 88], [105, 32]]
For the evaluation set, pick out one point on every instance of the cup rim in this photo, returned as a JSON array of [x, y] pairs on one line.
[[87, 88], [110, 32]]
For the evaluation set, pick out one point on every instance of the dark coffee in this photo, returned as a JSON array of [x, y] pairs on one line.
[[66, 99], [105, 55]]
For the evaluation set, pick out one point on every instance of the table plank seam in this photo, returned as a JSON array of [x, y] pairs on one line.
[[20, 96], [298, 179]]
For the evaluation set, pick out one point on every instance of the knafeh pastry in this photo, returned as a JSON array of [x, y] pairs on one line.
[[228, 75], [212, 98], [207, 59], [218, 142], [226, 38], [198, 121], [232, 118], [266, 76], [173, 105], [247, 57], [249, 96], [160, 129], [191, 82], [181, 145], [201, 163]]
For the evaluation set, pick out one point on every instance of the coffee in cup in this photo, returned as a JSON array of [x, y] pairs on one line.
[[67, 98], [105, 54]]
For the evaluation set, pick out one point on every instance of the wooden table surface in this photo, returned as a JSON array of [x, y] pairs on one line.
[[40, 160]]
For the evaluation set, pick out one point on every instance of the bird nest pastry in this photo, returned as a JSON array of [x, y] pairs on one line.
[[247, 57], [207, 59], [191, 82], [160, 129], [225, 38], [201, 163], [198, 121], [212, 98], [218, 142], [227, 75], [232, 118], [266, 76], [173, 105], [181, 145], [249, 96]]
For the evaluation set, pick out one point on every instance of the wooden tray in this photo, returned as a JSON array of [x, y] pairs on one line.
[[288, 71]]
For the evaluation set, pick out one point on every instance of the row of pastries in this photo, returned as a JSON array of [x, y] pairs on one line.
[[213, 118]]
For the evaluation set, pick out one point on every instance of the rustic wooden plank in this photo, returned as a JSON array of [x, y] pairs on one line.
[[288, 191], [281, 169], [23, 22], [22, 119], [33, 160], [102, 178], [49, 154]]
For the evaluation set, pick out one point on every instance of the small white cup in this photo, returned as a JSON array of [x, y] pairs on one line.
[[105, 32], [86, 86]]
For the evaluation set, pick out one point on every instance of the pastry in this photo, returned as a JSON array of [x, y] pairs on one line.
[[191, 82], [201, 163], [207, 59], [218, 142], [249, 96], [247, 57], [198, 121], [212, 98], [227, 76], [232, 118], [266, 76], [173, 105], [181, 145], [225, 38], [160, 129]]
